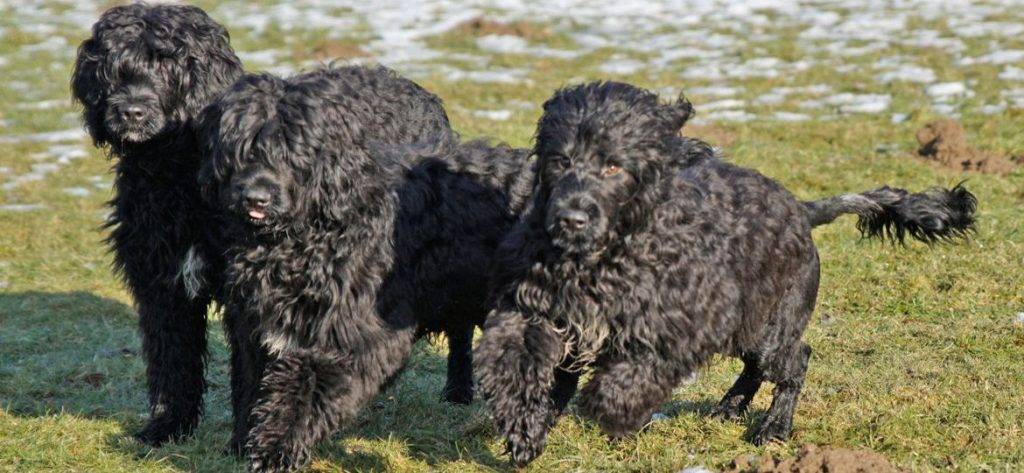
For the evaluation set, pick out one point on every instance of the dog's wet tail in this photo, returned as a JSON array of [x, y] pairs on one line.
[[931, 216]]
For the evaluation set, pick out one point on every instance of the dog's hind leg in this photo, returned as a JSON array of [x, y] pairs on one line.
[[624, 393], [173, 331], [459, 387], [784, 356], [515, 364], [788, 376], [742, 391]]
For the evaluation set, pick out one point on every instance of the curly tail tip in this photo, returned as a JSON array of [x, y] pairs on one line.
[[935, 215]]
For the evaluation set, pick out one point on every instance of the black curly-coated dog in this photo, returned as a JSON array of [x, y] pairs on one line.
[[347, 247], [142, 78], [642, 255]]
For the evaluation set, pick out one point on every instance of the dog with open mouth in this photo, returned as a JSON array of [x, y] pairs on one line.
[[642, 254], [358, 225]]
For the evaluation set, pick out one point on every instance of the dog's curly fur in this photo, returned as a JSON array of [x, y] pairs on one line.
[[641, 255], [349, 242], [142, 77]]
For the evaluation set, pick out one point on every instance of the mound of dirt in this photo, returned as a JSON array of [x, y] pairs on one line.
[[943, 142], [481, 26], [715, 135], [815, 459]]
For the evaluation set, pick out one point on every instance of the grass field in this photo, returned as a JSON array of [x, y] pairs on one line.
[[919, 352]]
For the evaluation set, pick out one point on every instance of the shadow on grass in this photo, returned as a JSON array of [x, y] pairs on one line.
[[77, 353]]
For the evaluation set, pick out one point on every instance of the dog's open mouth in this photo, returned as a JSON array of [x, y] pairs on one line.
[[257, 213]]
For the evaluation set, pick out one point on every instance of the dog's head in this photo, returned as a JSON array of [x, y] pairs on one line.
[[148, 70], [275, 152], [602, 148]]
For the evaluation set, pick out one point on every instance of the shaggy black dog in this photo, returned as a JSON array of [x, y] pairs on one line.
[[346, 246], [642, 255], [142, 77]]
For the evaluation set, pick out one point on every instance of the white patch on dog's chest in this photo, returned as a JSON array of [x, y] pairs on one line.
[[191, 273]]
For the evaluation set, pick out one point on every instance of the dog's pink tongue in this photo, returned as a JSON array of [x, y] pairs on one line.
[[257, 214]]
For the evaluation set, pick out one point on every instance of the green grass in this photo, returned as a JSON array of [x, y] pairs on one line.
[[916, 352]]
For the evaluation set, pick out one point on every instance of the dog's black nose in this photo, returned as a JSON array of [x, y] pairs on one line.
[[573, 220], [257, 197], [132, 113]]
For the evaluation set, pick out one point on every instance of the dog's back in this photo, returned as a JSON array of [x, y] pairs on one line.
[[455, 202], [768, 239]]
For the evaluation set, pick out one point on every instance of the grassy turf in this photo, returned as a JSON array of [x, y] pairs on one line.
[[916, 355]]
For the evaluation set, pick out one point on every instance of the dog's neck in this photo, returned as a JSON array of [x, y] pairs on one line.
[[169, 154]]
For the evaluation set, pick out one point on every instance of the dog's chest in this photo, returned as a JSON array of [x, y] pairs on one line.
[[594, 309]]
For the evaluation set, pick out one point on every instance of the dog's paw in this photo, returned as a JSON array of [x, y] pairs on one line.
[[458, 395], [162, 430], [274, 463], [522, 453], [726, 411], [772, 431]]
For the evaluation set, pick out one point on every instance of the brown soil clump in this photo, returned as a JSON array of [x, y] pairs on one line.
[[943, 142], [481, 26], [715, 135], [815, 459]]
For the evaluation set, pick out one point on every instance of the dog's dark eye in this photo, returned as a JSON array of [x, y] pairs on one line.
[[559, 161], [610, 170]]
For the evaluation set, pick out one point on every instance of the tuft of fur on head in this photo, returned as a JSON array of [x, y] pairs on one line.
[[931, 216], [602, 124], [168, 60], [307, 138]]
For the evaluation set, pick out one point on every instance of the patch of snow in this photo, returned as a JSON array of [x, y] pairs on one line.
[[996, 57], [496, 115], [621, 66], [504, 76], [852, 103], [771, 98], [993, 109], [945, 90], [714, 90], [1012, 73], [723, 104], [22, 207], [695, 469], [53, 44], [899, 118], [76, 191], [43, 105], [73, 134], [265, 56], [729, 116], [790, 117], [908, 73]]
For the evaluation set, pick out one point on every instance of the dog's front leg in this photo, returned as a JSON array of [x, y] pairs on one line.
[[248, 361], [625, 391], [515, 365], [307, 394], [173, 330]]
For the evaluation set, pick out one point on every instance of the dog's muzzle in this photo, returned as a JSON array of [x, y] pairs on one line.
[[575, 224]]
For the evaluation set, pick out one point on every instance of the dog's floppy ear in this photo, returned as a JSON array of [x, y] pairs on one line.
[[675, 114], [87, 89], [207, 130]]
